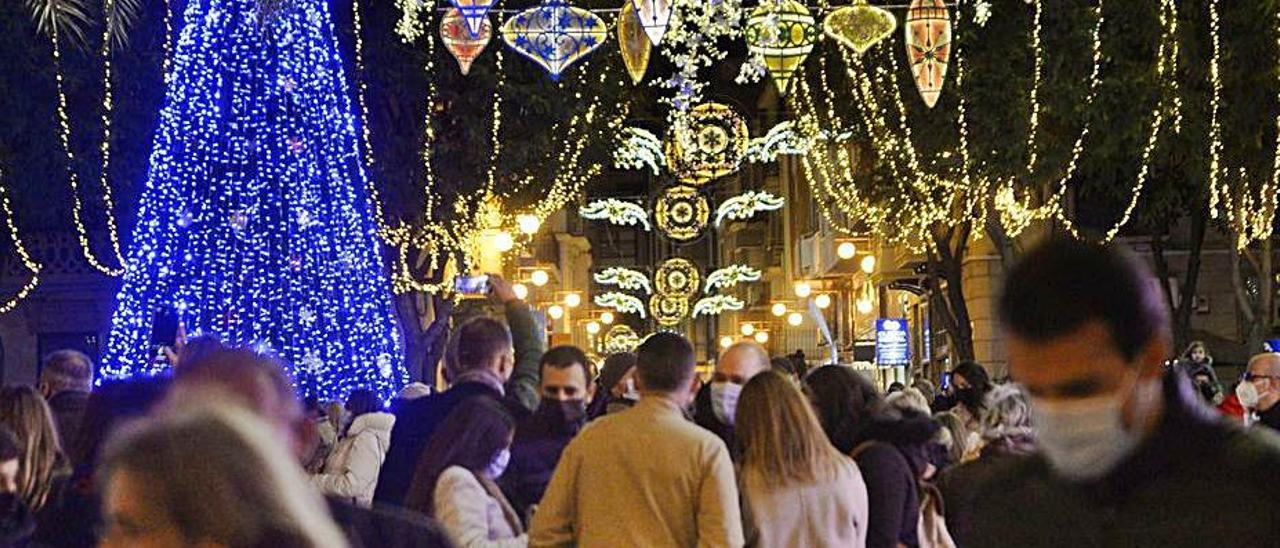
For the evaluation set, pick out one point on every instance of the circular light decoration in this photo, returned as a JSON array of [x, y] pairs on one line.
[[677, 276], [621, 338], [783, 32], [682, 213], [859, 26], [668, 310], [708, 143]]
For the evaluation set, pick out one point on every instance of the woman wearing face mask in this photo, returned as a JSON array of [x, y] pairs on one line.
[[970, 384], [455, 480]]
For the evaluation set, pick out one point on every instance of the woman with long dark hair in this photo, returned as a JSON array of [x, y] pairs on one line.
[[351, 470], [890, 446], [455, 478]]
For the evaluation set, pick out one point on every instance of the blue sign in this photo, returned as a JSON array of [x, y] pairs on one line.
[[892, 342]]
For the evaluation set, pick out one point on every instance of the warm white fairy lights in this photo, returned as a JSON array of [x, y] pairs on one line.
[[624, 278], [729, 276], [20, 247]]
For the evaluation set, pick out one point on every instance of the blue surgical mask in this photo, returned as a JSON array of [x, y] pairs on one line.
[[499, 464]]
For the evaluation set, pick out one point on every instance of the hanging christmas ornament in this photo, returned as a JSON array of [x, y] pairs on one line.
[[783, 32], [624, 278], [730, 276], [859, 26], [715, 304], [668, 310], [928, 30], [681, 213], [554, 35], [476, 14], [677, 276], [620, 338], [461, 43], [654, 16], [745, 206], [634, 44], [707, 143], [621, 302]]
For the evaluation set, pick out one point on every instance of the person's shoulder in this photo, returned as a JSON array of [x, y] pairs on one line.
[[386, 526], [1253, 449]]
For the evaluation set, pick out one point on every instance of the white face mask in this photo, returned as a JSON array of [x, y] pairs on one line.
[[499, 464], [631, 393], [1248, 394], [724, 400], [1086, 439]]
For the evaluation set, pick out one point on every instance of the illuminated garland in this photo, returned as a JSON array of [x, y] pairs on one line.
[[730, 276], [624, 278], [621, 302], [745, 206], [715, 304], [780, 139], [638, 149], [616, 212], [23, 256]]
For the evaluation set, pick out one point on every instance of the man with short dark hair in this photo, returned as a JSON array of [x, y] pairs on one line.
[[541, 437], [716, 403], [645, 476], [65, 381], [484, 358], [1125, 449]]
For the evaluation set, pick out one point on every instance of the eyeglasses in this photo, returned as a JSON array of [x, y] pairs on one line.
[[1254, 376]]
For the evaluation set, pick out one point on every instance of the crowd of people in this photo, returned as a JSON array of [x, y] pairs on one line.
[[1100, 440]]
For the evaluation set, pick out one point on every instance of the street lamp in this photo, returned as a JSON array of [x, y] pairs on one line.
[[555, 311], [726, 341], [869, 264], [606, 317], [539, 277], [762, 337], [593, 327], [779, 309], [803, 289], [502, 241], [795, 319], [521, 291], [864, 306], [823, 300], [528, 224], [846, 250], [572, 300], [747, 329]]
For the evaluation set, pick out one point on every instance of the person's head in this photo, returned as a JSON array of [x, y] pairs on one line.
[[362, 401], [311, 405], [110, 406], [564, 374], [782, 442], [1196, 352], [844, 401], [970, 383], [926, 389], [740, 362], [481, 345], [24, 412], [1087, 334], [952, 435], [616, 367], [908, 399], [476, 436], [665, 366], [255, 381], [894, 387], [784, 366], [1008, 414], [1263, 374], [245, 491], [10, 457], [66, 370]]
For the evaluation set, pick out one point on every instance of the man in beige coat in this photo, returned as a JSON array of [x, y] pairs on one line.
[[645, 476]]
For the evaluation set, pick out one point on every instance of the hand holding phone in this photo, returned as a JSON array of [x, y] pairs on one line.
[[472, 285]]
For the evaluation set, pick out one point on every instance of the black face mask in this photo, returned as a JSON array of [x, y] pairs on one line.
[[969, 396], [563, 417]]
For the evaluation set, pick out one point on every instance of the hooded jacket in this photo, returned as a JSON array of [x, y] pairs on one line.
[[893, 455], [351, 471]]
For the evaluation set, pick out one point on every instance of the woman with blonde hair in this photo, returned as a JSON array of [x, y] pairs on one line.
[[209, 476], [42, 468], [797, 489]]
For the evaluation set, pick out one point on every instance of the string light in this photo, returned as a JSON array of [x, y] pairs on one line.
[[23, 256], [291, 269]]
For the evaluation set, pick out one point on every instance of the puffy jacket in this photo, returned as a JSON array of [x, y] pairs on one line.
[[351, 471]]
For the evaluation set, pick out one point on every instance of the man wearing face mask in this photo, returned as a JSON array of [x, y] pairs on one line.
[[542, 437], [717, 402], [1260, 390], [1123, 445]]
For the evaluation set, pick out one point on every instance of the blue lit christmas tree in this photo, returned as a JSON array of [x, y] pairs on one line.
[[255, 224]]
